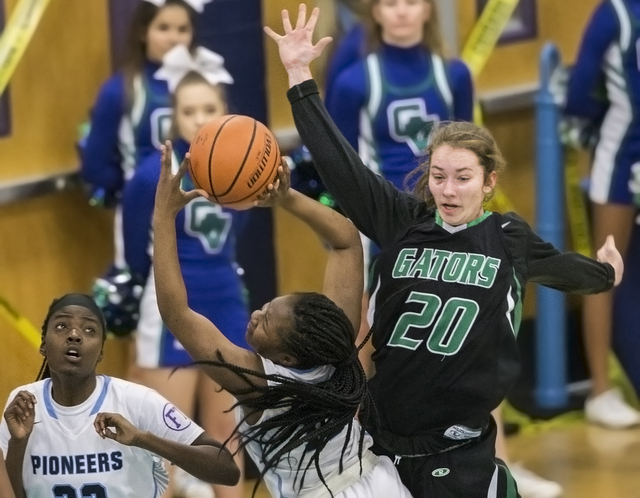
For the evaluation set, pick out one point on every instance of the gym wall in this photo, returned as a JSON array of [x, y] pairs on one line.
[[56, 243]]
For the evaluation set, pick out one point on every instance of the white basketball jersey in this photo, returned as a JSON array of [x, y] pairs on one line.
[[280, 480], [65, 457]]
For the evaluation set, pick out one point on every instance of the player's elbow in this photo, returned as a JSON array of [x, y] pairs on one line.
[[352, 237], [224, 470], [170, 314], [231, 476]]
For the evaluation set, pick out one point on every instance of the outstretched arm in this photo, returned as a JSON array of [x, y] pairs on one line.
[[204, 458], [344, 274], [201, 338], [376, 207], [563, 271]]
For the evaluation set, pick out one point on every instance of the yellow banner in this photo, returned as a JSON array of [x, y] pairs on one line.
[[576, 205], [500, 203], [486, 33], [16, 36], [31, 334]]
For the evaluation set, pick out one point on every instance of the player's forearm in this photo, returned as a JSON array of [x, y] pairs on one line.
[[170, 289], [333, 228], [14, 461], [5, 484], [207, 463]]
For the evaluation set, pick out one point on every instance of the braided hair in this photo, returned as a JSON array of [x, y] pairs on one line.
[[314, 413], [69, 300]]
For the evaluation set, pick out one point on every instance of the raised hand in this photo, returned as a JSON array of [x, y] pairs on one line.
[[608, 253], [278, 190], [296, 47], [20, 415], [170, 198], [124, 432]]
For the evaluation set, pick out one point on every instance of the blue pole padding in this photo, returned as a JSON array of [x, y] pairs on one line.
[[551, 375]]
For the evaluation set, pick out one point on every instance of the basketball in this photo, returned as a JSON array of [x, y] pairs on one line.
[[234, 158]]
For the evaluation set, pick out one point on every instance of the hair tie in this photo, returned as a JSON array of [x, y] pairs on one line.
[[178, 61], [197, 5]]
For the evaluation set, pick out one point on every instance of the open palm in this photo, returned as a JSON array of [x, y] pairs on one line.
[[296, 46]]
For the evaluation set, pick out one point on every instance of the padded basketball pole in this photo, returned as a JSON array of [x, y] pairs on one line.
[[550, 321]]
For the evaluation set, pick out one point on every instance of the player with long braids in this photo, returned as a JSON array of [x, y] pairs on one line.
[[302, 385], [448, 291]]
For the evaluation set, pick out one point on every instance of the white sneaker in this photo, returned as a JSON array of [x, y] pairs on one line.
[[609, 409], [187, 486], [531, 485]]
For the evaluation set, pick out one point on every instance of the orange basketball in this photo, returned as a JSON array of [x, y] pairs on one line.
[[234, 158]]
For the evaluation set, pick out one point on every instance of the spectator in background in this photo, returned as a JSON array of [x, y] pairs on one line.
[[387, 102], [604, 88], [131, 116], [343, 20], [206, 246]]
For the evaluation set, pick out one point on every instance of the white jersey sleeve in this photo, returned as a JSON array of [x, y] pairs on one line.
[[154, 413]]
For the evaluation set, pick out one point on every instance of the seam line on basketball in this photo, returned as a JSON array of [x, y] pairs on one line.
[[266, 182], [210, 164], [244, 161]]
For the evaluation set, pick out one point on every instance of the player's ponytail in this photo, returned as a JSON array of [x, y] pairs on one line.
[[314, 413]]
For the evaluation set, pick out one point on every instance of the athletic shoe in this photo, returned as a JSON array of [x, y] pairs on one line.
[[187, 486], [610, 410], [531, 485]]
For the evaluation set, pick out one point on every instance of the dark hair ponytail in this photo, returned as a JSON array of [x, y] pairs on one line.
[[314, 413]]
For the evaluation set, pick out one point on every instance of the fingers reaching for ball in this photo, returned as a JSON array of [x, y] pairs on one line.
[[166, 153], [276, 191], [170, 198], [284, 175]]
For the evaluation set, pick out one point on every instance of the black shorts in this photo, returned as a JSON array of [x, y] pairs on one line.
[[470, 471]]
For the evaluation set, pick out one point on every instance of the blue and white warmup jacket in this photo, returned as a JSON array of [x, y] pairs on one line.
[[206, 236], [387, 103], [605, 88], [125, 129]]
